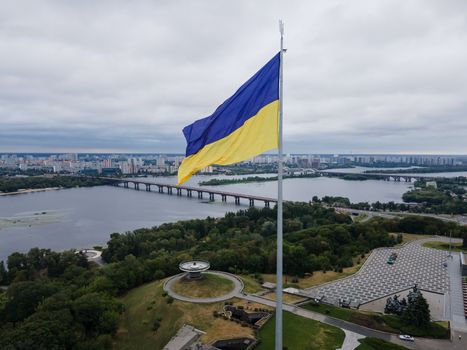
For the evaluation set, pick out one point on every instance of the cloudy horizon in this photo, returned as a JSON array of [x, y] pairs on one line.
[[125, 77]]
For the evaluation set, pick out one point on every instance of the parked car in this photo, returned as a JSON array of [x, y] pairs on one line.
[[406, 337]]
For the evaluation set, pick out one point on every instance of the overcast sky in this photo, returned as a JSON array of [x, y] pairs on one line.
[[127, 76]]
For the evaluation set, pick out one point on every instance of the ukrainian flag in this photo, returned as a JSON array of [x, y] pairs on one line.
[[242, 127]]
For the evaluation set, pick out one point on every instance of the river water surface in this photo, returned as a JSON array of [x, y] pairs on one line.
[[84, 217]]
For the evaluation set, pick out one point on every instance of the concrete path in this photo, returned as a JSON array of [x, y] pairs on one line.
[[351, 340], [458, 320], [237, 290], [93, 256], [460, 219]]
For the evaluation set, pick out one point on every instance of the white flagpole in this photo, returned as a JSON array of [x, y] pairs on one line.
[[279, 206]]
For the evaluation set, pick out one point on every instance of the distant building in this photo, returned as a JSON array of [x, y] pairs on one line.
[[89, 171], [432, 184], [111, 171]]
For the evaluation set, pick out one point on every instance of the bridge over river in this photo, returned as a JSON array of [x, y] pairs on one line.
[[188, 191]]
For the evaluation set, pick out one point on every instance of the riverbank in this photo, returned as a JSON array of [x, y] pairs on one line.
[[221, 182], [29, 190]]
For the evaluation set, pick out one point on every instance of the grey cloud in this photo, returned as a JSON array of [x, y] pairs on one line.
[[372, 76]]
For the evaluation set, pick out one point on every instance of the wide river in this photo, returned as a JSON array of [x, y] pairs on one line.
[[84, 217]]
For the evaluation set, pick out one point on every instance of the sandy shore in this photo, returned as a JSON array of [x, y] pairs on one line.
[[32, 190], [32, 219]]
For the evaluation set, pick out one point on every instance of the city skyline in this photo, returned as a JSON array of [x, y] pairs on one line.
[[114, 77]]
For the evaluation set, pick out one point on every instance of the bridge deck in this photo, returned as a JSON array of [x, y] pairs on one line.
[[196, 189]]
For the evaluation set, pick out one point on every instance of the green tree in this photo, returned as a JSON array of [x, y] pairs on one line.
[[3, 273], [23, 298], [45, 330], [417, 312], [97, 313], [268, 228]]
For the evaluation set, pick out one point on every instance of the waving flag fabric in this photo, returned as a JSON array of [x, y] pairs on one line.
[[244, 126]]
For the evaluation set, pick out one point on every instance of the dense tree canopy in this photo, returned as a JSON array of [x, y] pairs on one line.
[[12, 184], [50, 304]]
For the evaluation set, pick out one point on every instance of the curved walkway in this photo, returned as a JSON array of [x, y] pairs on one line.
[[93, 255], [238, 288]]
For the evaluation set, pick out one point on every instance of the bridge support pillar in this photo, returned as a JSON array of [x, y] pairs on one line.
[[237, 200], [125, 184], [169, 190], [189, 193], [211, 196], [266, 204], [252, 202], [136, 186], [160, 189], [179, 191], [224, 198], [200, 194], [148, 187]]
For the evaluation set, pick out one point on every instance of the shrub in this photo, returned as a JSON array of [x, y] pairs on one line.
[[156, 325]]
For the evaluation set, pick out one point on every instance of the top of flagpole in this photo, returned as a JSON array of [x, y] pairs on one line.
[[281, 27]]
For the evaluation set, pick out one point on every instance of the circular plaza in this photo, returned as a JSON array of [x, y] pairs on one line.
[[195, 284]]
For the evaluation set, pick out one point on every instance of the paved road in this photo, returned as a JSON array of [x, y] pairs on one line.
[[460, 219], [238, 288], [420, 343]]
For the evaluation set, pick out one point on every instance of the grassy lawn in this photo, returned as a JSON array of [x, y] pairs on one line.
[[455, 247], [286, 297], [301, 334], [250, 283], [319, 277], [208, 286], [377, 344], [143, 305], [386, 323], [409, 237]]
